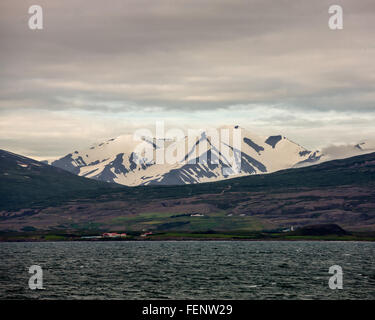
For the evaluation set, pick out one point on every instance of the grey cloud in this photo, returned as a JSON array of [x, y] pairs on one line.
[[348, 150], [276, 60], [145, 53]]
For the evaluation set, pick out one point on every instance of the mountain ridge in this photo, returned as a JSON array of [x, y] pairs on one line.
[[116, 161]]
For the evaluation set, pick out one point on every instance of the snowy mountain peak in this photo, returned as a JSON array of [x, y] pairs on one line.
[[210, 155]]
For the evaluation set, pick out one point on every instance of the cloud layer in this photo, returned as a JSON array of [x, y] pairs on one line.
[[127, 60]]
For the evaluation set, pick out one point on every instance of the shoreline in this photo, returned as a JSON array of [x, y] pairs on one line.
[[308, 233], [317, 239]]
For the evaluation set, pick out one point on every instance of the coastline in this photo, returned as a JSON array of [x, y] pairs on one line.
[[192, 238]]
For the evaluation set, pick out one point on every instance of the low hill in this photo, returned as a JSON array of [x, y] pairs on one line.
[[25, 182], [320, 230]]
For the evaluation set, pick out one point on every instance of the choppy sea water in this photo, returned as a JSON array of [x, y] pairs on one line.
[[187, 270]]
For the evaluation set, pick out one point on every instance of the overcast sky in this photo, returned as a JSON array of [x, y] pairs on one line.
[[99, 69]]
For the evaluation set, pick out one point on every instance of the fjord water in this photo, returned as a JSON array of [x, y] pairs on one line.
[[187, 270]]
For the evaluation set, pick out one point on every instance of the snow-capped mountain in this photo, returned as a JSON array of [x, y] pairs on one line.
[[340, 151], [201, 159]]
